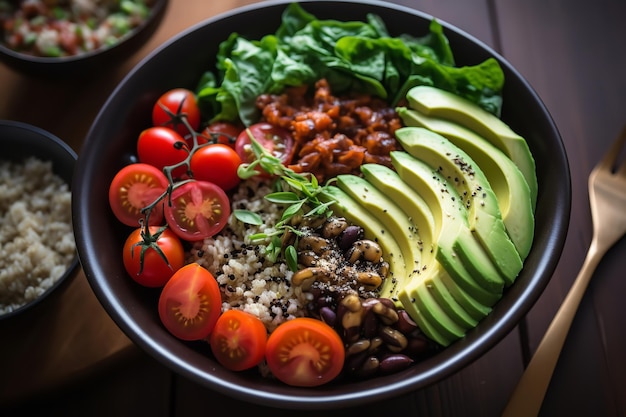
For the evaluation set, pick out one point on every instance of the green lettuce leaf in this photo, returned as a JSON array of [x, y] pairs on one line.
[[352, 56]]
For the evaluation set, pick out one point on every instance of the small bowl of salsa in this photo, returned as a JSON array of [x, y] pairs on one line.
[[56, 37]]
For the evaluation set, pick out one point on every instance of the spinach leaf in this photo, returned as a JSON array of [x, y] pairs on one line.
[[352, 56]]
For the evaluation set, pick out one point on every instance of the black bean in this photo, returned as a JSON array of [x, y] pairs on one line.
[[388, 302], [417, 346], [370, 325], [405, 323], [354, 362], [376, 344], [394, 363], [361, 345], [351, 334], [368, 368], [350, 235], [328, 316], [393, 338]]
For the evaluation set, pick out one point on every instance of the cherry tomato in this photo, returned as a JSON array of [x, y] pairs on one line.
[[150, 269], [229, 131], [238, 340], [216, 163], [175, 105], [190, 303], [161, 147], [276, 140], [199, 209], [134, 187], [305, 352]]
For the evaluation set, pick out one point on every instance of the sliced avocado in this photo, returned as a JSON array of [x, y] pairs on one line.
[[474, 308], [396, 221], [477, 260], [446, 205], [389, 183], [424, 295], [504, 176], [484, 216], [445, 299], [433, 281], [345, 206], [420, 300], [423, 321], [440, 103]]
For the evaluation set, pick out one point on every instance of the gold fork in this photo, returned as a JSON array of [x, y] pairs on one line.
[[607, 197]]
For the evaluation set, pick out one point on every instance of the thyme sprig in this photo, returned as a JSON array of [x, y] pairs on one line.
[[298, 192]]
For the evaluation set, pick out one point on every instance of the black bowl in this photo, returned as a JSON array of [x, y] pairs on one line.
[[110, 144], [88, 63], [18, 141]]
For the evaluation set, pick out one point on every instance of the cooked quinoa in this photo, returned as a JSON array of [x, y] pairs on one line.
[[248, 280], [36, 237]]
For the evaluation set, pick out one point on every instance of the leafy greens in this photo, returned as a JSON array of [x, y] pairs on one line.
[[352, 56]]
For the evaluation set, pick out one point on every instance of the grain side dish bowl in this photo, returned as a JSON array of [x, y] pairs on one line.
[[76, 37], [37, 247], [112, 145]]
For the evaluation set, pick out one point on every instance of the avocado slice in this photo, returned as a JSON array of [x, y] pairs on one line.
[[463, 174], [422, 306], [448, 302], [453, 236], [436, 102], [389, 182], [423, 321], [396, 221], [345, 206], [504, 176], [474, 308], [439, 305]]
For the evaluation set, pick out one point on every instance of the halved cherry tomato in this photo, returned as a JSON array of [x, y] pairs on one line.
[[134, 187], [216, 163], [190, 303], [198, 209], [276, 140], [150, 269], [238, 340], [229, 131], [305, 352], [173, 106], [161, 147]]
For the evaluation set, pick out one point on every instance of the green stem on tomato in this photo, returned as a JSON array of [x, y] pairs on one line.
[[168, 170]]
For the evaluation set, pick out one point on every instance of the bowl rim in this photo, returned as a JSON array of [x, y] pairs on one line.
[[72, 267], [458, 356]]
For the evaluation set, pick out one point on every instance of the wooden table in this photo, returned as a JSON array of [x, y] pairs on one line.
[[75, 361]]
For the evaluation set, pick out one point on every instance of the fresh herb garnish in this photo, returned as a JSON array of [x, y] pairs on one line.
[[298, 192]]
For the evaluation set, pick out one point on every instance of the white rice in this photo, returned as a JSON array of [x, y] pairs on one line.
[[36, 237], [248, 280]]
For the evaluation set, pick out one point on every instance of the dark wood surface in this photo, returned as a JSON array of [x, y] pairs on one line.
[[571, 51]]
